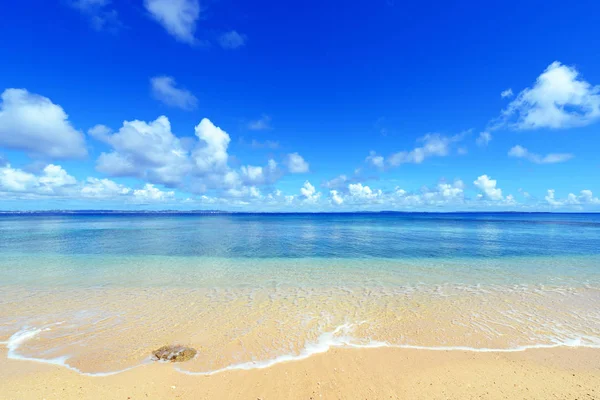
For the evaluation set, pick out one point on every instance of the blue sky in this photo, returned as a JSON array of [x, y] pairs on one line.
[[267, 106]]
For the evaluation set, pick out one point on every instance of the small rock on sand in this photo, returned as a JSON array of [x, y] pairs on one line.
[[174, 353]]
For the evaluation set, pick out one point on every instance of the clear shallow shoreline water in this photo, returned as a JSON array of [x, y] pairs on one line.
[[99, 292]]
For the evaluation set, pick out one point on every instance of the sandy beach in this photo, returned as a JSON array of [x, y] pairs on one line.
[[338, 374]]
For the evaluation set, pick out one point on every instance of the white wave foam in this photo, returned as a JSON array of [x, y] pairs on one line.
[[339, 338], [328, 340], [322, 345], [27, 333]]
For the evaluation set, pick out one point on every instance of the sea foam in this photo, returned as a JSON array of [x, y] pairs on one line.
[[338, 338]]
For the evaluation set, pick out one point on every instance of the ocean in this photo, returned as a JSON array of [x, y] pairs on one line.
[[97, 292]]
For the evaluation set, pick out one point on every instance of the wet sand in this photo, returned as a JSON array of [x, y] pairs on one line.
[[564, 373]]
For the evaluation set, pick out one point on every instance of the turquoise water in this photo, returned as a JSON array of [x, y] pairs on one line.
[[304, 235], [299, 249], [96, 292]]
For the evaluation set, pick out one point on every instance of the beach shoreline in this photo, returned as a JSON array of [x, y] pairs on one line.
[[355, 307], [339, 373]]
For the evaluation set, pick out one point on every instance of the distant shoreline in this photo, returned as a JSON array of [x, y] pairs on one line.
[[222, 212]]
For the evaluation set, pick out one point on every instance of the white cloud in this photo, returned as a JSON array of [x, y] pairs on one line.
[[484, 139], [488, 188], [551, 199], [506, 93], [261, 124], [441, 195], [309, 193], [32, 123], [434, 145], [212, 156], [95, 188], [247, 192], [375, 160], [551, 158], [232, 40], [55, 176], [51, 181], [335, 197], [451, 191], [253, 173], [296, 164], [558, 99], [586, 197], [150, 151], [101, 15], [151, 193], [358, 191], [178, 17], [16, 180], [144, 150], [164, 89], [259, 175]]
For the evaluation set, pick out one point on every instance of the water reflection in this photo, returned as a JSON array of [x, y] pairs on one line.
[[341, 236]]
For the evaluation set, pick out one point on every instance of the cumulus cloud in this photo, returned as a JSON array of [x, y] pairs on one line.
[[483, 139], [151, 193], [296, 164], [245, 192], [558, 99], [551, 158], [488, 188], [95, 188], [33, 123], [232, 40], [150, 151], [309, 193], [358, 191], [585, 197], [335, 197], [212, 155], [442, 194], [506, 93], [261, 124], [52, 180], [164, 89], [144, 150], [178, 17], [260, 175], [360, 195]]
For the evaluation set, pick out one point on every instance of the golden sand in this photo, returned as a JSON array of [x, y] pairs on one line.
[[337, 374], [107, 330], [103, 330]]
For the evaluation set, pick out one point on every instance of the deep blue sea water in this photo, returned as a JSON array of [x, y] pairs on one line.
[[393, 235]]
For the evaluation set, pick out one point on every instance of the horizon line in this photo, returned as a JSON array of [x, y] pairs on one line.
[[170, 211]]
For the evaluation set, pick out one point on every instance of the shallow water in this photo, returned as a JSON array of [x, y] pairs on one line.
[[98, 293]]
